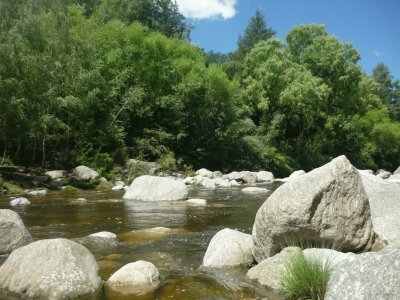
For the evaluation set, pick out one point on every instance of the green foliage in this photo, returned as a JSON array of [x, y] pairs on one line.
[[305, 278], [95, 82], [1, 183], [168, 162]]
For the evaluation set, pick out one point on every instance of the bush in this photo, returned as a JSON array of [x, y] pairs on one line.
[[1, 183], [305, 278]]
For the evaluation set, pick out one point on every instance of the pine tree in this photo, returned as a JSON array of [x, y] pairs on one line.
[[255, 32]]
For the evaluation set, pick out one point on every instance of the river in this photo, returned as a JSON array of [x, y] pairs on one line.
[[177, 254]]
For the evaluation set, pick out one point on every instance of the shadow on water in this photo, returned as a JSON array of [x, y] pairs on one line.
[[177, 252]]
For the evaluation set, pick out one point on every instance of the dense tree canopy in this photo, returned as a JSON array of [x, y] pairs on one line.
[[94, 82]]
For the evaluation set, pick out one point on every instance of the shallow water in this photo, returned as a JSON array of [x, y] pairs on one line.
[[177, 253]]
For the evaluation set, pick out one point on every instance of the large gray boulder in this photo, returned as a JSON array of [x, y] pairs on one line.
[[374, 275], [153, 188], [384, 200], [51, 269], [326, 205], [140, 274], [269, 272], [229, 248], [13, 233], [84, 173]]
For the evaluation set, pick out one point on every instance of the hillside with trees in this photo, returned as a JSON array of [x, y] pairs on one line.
[[95, 82]]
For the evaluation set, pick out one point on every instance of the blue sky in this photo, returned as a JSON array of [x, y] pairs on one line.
[[372, 26]]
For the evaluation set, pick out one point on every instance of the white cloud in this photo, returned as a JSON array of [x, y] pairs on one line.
[[377, 53], [207, 9]]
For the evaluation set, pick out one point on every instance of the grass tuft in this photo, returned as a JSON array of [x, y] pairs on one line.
[[305, 278]]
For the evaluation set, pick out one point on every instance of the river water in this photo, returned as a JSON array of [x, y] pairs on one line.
[[177, 253]]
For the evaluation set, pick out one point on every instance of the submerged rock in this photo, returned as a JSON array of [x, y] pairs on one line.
[[153, 188], [13, 233], [255, 190], [374, 275], [229, 248], [51, 269], [38, 193], [328, 204], [197, 201], [19, 201]]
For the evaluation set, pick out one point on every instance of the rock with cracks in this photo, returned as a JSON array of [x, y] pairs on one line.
[[367, 276], [153, 188], [326, 205], [51, 269], [384, 200]]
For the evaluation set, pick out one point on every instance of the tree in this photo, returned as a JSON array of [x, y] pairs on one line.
[[255, 32], [389, 89]]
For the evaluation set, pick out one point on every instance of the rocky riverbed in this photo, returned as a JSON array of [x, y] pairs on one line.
[[228, 242]]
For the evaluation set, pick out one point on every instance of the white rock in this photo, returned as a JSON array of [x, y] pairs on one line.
[[222, 182], [238, 176], [264, 176], [119, 182], [205, 173], [327, 256], [38, 193], [104, 234], [84, 173], [188, 180], [366, 172], [328, 204], [384, 200], [56, 174], [135, 274], [217, 174], [153, 188], [397, 171], [81, 199], [373, 275], [13, 233], [19, 201], [254, 190], [208, 183], [117, 188], [383, 174], [197, 201], [269, 271], [229, 248], [297, 174], [51, 269], [234, 183], [249, 177]]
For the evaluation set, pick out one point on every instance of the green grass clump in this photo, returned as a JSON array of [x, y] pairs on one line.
[[305, 278]]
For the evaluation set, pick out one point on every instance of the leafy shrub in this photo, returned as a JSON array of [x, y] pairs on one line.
[[168, 162], [305, 278], [1, 183]]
